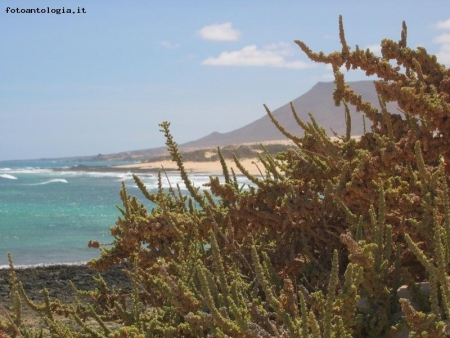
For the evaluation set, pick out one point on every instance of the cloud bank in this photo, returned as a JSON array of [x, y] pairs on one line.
[[273, 55], [444, 40], [169, 45], [220, 32]]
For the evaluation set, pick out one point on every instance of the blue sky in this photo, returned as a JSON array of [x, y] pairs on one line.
[[100, 82]]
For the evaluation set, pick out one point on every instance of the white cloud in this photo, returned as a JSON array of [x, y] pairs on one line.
[[443, 24], [169, 45], [443, 55], [186, 58], [281, 48], [329, 67], [326, 77], [329, 75], [443, 40], [220, 32], [376, 49], [270, 56]]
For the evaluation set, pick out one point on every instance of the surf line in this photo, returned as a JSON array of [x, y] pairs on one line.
[[9, 177], [56, 180]]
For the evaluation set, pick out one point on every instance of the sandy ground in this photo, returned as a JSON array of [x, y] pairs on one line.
[[214, 167], [251, 165], [208, 167]]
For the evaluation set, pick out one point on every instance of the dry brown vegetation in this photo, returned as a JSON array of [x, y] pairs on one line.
[[320, 246]]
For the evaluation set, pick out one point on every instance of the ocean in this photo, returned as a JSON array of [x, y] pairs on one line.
[[48, 216]]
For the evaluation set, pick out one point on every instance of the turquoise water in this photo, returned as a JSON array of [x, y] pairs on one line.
[[48, 216]]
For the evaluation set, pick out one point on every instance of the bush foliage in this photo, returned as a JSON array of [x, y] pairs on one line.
[[337, 238]]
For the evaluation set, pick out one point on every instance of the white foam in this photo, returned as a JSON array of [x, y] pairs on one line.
[[198, 180], [27, 170], [55, 180], [98, 174], [125, 177], [9, 177], [43, 265]]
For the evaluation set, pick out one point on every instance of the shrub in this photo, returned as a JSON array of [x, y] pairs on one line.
[[320, 246]]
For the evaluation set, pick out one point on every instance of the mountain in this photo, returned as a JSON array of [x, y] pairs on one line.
[[318, 101]]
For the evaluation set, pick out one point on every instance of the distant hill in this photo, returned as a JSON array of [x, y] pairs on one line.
[[318, 101]]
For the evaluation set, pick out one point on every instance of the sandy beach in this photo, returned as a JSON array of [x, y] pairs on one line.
[[213, 167], [252, 165]]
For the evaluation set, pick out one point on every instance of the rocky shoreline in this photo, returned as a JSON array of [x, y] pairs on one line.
[[56, 279]]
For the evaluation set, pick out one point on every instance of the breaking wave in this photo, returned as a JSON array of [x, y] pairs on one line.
[[39, 265], [26, 170], [9, 177], [55, 180]]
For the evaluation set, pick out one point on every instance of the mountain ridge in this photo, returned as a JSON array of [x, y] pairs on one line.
[[318, 101]]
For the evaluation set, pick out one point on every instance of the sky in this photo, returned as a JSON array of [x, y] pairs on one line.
[[101, 81]]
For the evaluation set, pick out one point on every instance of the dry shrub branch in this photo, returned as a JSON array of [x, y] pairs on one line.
[[345, 238]]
